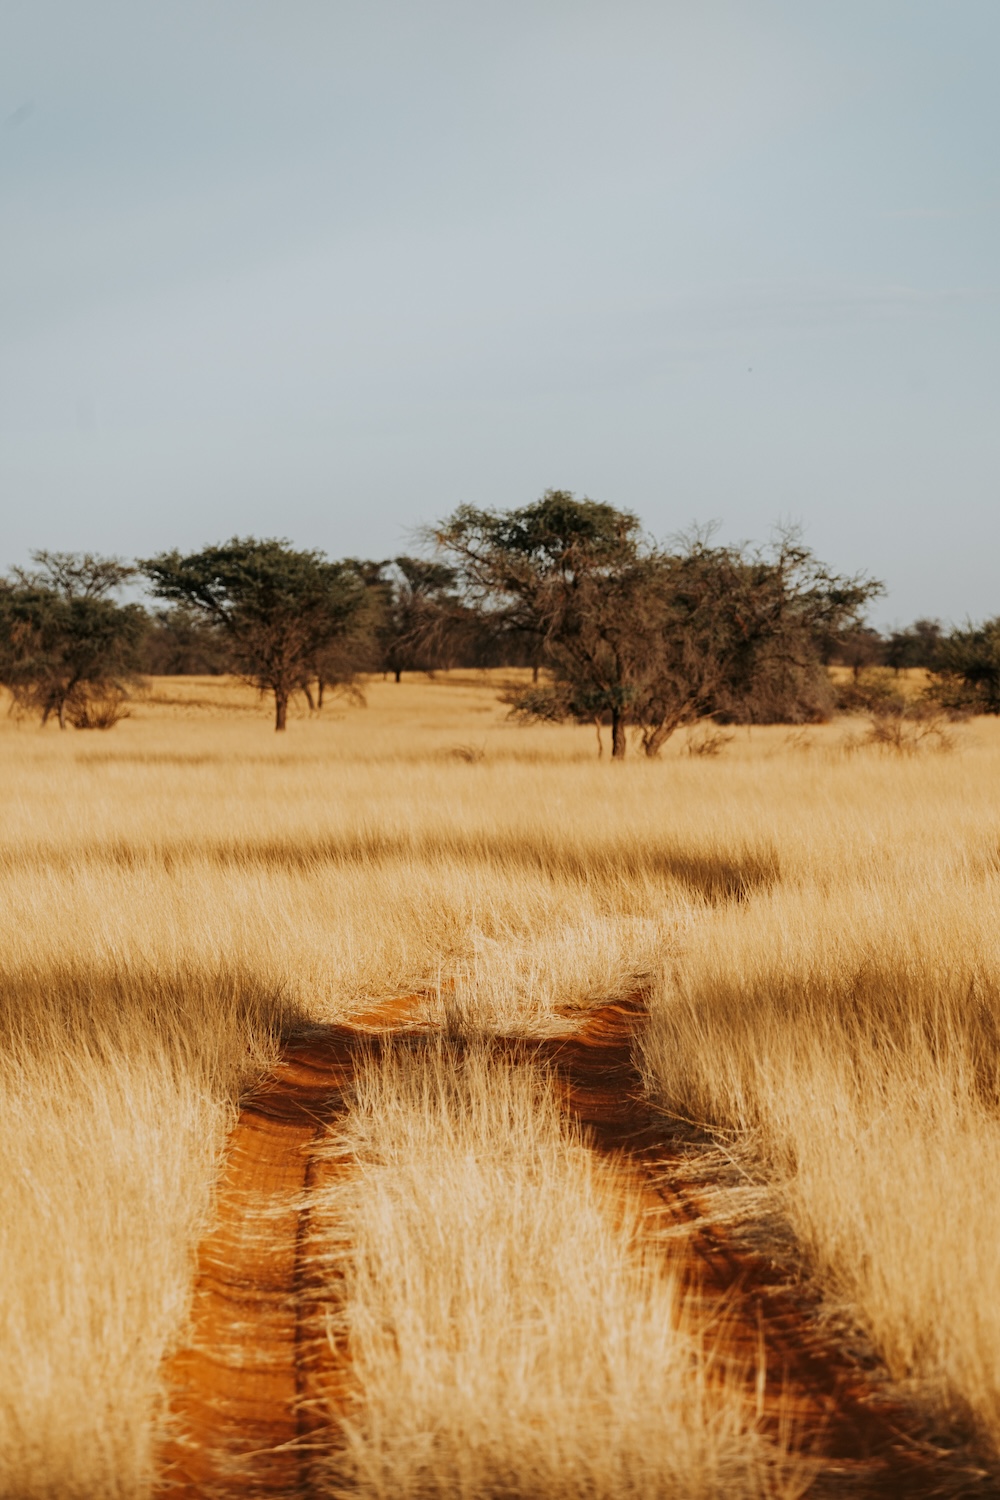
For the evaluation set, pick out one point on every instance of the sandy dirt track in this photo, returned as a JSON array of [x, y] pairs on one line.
[[253, 1389]]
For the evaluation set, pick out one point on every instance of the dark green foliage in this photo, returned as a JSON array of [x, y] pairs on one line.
[[967, 668], [281, 611], [916, 646], [67, 649]]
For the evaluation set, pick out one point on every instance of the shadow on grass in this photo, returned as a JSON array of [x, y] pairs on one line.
[[715, 876], [223, 1025]]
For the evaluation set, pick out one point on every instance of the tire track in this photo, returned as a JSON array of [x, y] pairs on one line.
[[817, 1396], [248, 1387], [253, 1389]]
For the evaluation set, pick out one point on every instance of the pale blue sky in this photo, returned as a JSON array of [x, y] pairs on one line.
[[326, 268]]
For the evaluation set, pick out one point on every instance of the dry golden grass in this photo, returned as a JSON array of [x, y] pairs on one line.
[[909, 682], [815, 927], [510, 1330], [116, 1095], [853, 1032]]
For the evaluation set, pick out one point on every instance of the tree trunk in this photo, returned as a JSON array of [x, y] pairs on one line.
[[399, 674], [654, 740], [62, 713], [309, 697], [600, 741], [534, 672], [618, 741], [280, 709], [320, 690]]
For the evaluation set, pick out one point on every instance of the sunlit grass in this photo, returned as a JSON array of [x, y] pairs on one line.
[[815, 927], [854, 1034], [508, 1328]]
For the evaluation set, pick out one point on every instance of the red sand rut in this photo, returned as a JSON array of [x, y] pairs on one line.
[[252, 1391]]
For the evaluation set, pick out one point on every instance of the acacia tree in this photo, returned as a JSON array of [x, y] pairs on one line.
[[688, 637], [916, 646], [355, 648], [181, 643], [858, 648], [420, 615], [67, 648], [635, 634], [649, 645], [279, 610], [573, 574], [967, 668], [786, 610]]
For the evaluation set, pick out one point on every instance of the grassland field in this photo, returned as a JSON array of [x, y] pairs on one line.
[[811, 921]]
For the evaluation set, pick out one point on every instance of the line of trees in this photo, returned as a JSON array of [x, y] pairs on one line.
[[619, 630], [286, 621]]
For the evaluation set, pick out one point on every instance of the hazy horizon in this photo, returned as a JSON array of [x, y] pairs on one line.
[[328, 270]]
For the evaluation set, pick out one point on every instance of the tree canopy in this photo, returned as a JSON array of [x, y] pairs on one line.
[[637, 634], [279, 609], [967, 666], [67, 648]]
